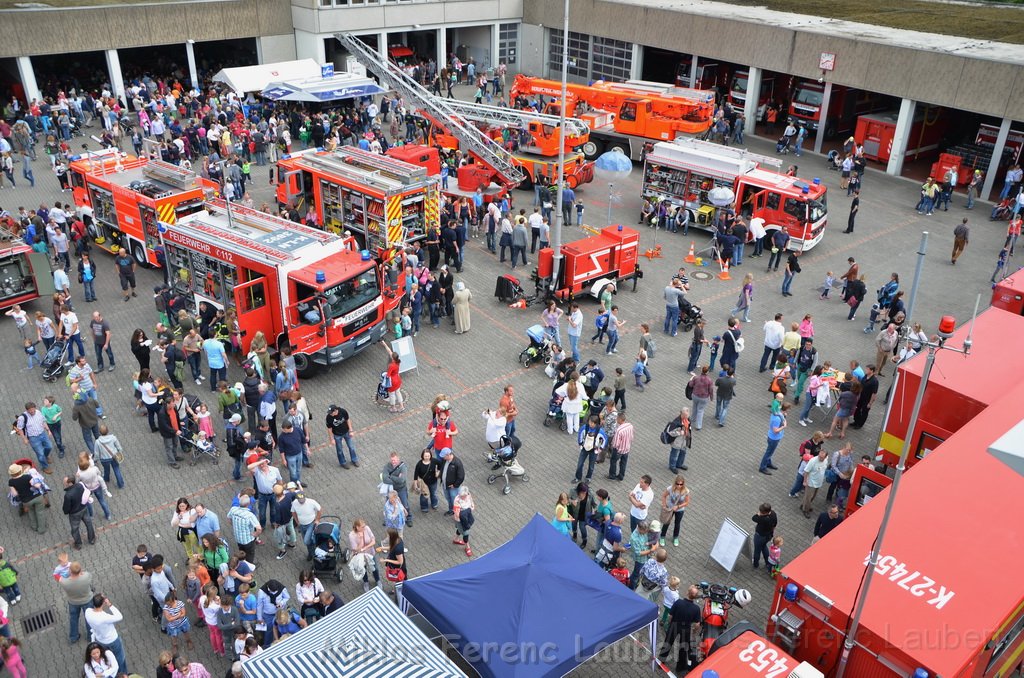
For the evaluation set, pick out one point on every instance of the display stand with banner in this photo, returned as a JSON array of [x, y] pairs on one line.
[[732, 540], [405, 350]]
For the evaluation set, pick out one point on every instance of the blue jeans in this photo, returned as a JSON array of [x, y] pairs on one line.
[[89, 435], [449, 495], [574, 346], [90, 289], [927, 204], [195, 365], [307, 537], [403, 496], [236, 473], [699, 405], [676, 458], [722, 409], [425, 504], [111, 464], [435, 314], [613, 340], [768, 452], [74, 613], [510, 428], [590, 458], [262, 507], [1007, 185], [347, 439], [798, 483], [737, 254], [671, 325], [99, 357], [41, 446], [761, 548], [808, 404], [294, 463], [91, 393], [118, 649], [101, 499], [58, 437], [787, 281], [695, 351], [75, 340], [554, 334], [617, 464]]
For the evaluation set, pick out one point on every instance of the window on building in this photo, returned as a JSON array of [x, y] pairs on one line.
[[579, 53], [612, 59], [508, 44]]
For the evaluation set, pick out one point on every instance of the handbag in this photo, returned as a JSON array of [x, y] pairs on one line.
[[384, 489], [851, 301], [831, 476], [689, 392], [393, 573], [778, 385]]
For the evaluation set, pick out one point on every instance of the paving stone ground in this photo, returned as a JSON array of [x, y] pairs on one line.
[[472, 369]]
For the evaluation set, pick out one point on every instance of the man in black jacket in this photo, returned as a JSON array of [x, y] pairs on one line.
[[683, 615], [766, 521], [827, 521], [75, 504], [169, 426], [173, 357], [452, 476]]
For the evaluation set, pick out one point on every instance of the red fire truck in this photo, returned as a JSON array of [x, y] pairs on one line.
[[121, 198], [749, 655], [685, 171], [844, 105], [24, 273], [1008, 294], [959, 389], [947, 598], [298, 285], [591, 263]]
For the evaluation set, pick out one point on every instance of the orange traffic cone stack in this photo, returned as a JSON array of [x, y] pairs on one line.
[[724, 275], [518, 304], [691, 257]]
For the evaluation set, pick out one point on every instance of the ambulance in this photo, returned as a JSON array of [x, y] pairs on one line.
[[300, 286], [121, 199]]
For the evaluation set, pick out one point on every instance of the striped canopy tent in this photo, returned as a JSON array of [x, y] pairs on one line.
[[367, 638]]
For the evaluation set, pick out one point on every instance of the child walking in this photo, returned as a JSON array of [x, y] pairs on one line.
[[9, 581], [11, 650], [638, 369], [620, 388], [775, 557], [32, 354], [826, 286], [669, 595]]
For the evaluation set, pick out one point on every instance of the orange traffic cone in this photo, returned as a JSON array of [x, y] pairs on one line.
[[691, 258], [724, 275], [518, 304]]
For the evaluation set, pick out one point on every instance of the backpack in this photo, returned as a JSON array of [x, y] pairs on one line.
[[666, 437], [652, 348], [8, 575], [589, 443]]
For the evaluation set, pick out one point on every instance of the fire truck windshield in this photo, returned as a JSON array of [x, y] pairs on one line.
[[817, 209], [739, 85], [346, 297], [808, 97]]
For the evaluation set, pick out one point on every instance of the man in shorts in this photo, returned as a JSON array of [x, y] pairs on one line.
[[125, 272]]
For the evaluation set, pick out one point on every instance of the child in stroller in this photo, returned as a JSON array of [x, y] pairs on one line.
[[539, 350], [782, 146], [192, 438], [328, 555], [506, 463], [53, 361]]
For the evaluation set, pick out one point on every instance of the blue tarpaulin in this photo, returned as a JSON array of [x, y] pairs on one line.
[[332, 88], [536, 606]]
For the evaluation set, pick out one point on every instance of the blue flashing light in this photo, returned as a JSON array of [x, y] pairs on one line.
[[619, 228], [817, 181], [921, 673], [321, 277], [791, 592], [806, 190], [364, 255]]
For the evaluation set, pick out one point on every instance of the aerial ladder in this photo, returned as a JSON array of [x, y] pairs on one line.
[[541, 126], [440, 111]]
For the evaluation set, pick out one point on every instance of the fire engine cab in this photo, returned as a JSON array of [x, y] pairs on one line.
[[382, 200], [947, 598], [746, 654], [24, 273], [298, 285], [121, 198], [684, 172]]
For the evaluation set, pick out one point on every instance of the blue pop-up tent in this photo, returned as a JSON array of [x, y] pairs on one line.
[[536, 606]]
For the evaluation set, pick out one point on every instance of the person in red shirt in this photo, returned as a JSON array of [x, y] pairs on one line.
[[1012, 233], [393, 380], [442, 429]]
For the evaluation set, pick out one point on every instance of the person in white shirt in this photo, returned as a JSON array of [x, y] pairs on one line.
[[496, 422], [102, 619], [774, 334], [641, 498]]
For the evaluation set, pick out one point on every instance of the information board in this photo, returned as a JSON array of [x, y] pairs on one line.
[[405, 350], [731, 541]]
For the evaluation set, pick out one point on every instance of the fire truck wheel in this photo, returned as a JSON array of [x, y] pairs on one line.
[[573, 181], [304, 365], [592, 149], [139, 254], [623, 148]]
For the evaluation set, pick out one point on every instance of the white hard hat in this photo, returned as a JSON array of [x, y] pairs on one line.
[[742, 597]]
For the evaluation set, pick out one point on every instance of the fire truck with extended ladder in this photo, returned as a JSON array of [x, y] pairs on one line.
[[628, 115], [298, 285], [121, 198], [451, 130], [684, 173], [24, 273], [382, 200], [947, 598]]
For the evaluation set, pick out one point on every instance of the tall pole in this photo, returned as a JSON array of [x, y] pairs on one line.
[[611, 186], [922, 248], [556, 236]]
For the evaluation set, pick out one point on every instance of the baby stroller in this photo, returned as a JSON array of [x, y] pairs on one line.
[[689, 314], [506, 463], [328, 555], [192, 440], [1002, 211], [381, 395], [507, 288], [539, 350], [555, 412], [834, 161], [53, 361], [783, 145]]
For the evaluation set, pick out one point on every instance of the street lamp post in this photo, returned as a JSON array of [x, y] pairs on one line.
[[556, 232]]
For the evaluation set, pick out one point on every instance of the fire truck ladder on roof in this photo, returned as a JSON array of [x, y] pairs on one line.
[[440, 110], [369, 168], [732, 152], [514, 117], [170, 174]]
